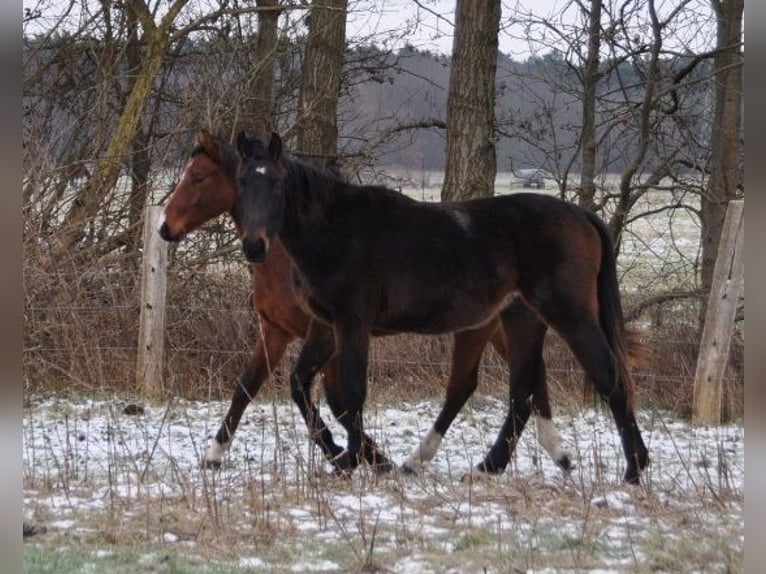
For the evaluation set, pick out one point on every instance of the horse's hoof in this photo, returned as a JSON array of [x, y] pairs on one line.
[[477, 474], [343, 466], [632, 477], [565, 463], [208, 464], [488, 468], [382, 467], [633, 472]]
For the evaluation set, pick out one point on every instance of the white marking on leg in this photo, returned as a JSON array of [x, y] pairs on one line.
[[425, 451], [214, 453], [548, 436]]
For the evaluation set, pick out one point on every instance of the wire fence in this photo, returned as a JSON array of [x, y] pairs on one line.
[[81, 332]]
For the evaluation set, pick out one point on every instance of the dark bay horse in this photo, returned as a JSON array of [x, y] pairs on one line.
[[370, 259], [206, 189]]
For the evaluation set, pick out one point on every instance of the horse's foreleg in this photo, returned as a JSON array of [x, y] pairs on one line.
[[524, 337], [352, 340], [334, 394], [267, 352], [318, 348], [463, 381], [518, 318]]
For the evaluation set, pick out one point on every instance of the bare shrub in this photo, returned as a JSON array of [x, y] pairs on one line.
[[81, 328]]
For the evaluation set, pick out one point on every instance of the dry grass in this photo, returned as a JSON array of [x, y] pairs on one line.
[[143, 505], [81, 325]]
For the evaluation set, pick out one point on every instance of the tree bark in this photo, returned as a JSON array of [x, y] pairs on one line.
[[317, 125], [140, 161], [725, 133], [587, 193], [87, 203], [471, 166], [265, 49]]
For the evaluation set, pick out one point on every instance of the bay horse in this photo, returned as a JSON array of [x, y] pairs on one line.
[[206, 189], [370, 260]]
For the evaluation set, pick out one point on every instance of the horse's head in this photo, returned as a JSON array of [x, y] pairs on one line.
[[261, 200], [206, 189]]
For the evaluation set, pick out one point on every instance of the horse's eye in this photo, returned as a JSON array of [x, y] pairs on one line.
[[198, 178]]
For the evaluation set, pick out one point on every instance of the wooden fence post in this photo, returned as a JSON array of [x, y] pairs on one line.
[[151, 331], [719, 317]]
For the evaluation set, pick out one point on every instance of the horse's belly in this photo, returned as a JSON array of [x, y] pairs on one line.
[[442, 315]]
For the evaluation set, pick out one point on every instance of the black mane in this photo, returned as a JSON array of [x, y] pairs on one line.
[[323, 183]]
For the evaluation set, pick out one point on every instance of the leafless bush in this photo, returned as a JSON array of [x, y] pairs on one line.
[[81, 329]]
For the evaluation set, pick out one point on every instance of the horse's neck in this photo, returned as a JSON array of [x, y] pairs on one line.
[[307, 199], [304, 218]]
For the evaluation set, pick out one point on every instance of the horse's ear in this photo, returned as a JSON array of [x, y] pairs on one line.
[[243, 145], [208, 143], [275, 146], [203, 136]]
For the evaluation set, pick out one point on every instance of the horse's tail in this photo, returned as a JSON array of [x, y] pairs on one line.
[[624, 342]]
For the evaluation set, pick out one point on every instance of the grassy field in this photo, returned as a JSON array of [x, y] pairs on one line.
[[109, 492]]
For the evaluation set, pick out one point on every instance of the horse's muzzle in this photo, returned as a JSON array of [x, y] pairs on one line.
[[164, 232], [254, 249]]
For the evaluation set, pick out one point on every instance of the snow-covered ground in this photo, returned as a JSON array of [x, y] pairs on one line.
[[102, 478]]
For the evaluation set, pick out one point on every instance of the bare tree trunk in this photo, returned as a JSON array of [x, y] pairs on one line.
[[317, 125], [86, 205], [140, 161], [265, 49], [587, 193], [725, 133], [471, 166], [258, 112]]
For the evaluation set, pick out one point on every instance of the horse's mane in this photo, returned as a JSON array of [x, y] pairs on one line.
[[229, 156], [325, 184]]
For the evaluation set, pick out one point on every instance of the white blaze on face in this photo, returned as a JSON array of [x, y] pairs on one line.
[[261, 170], [425, 451]]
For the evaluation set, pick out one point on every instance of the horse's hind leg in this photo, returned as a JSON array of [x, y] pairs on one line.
[[267, 352], [589, 345], [547, 433], [317, 350], [524, 337], [466, 356], [333, 393], [577, 322]]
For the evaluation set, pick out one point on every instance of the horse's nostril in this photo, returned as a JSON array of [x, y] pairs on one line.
[[164, 232], [255, 250]]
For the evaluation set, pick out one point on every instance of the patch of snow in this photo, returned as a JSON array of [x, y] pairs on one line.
[[315, 566], [252, 562], [87, 457]]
